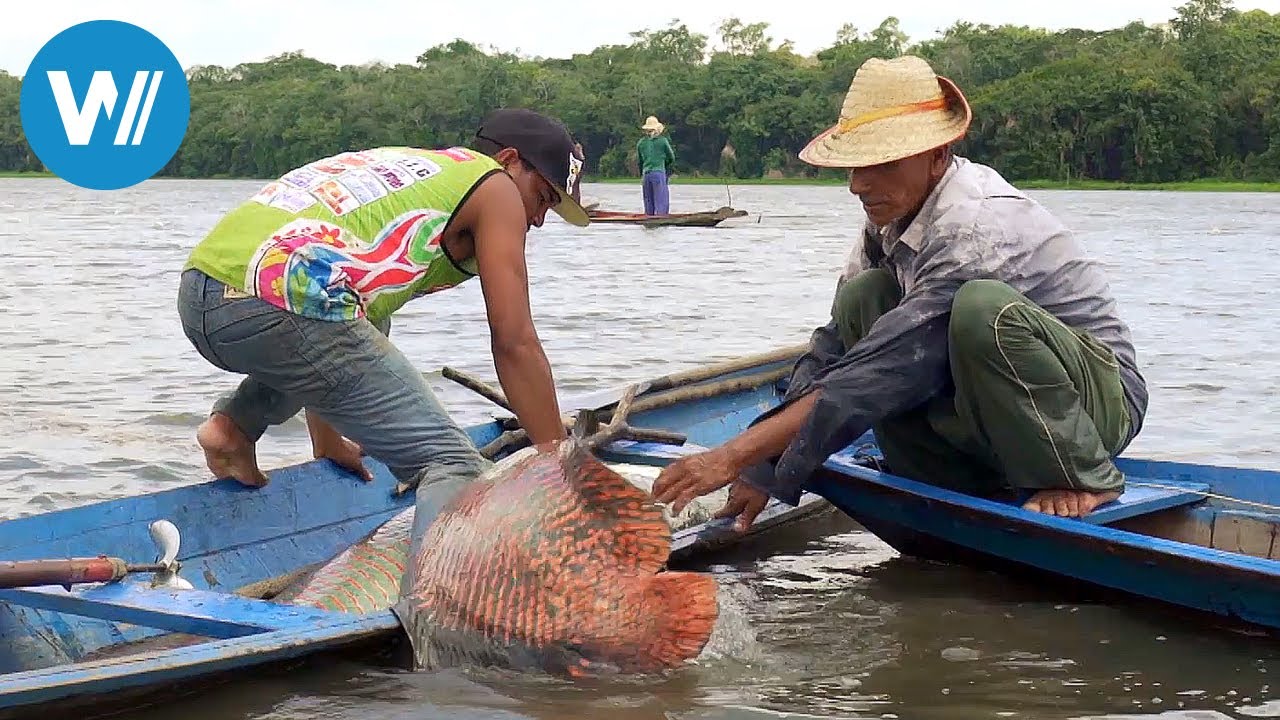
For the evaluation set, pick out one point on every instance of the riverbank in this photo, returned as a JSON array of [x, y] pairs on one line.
[[1205, 185]]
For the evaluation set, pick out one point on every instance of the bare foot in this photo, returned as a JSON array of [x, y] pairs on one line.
[[227, 451], [1068, 503]]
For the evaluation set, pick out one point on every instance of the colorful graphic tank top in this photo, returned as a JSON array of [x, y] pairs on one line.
[[353, 235]]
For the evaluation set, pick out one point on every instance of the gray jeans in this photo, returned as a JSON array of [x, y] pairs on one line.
[[348, 373]]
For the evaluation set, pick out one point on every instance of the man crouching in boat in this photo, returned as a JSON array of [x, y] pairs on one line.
[[969, 331], [295, 289]]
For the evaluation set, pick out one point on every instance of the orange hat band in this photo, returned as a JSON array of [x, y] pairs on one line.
[[849, 124]]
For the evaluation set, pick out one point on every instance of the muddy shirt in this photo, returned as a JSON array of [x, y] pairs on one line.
[[353, 235], [973, 225]]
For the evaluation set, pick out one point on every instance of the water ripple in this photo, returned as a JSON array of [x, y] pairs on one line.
[[103, 394]]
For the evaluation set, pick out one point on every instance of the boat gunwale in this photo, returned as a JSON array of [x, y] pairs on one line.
[[1134, 544]]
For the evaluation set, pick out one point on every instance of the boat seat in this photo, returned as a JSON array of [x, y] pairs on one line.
[[1140, 499], [194, 612], [647, 453]]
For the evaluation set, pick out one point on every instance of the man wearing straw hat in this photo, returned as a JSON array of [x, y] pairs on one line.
[[656, 157], [969, 330]]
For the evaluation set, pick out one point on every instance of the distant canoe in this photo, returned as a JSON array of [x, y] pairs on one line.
[[706, 218]]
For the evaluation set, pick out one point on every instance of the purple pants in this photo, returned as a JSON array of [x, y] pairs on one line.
[[657, 199]]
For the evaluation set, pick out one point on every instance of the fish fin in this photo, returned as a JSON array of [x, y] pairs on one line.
[[684, 611]]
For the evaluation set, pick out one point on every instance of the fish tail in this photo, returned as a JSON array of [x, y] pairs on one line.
[[684, 611]]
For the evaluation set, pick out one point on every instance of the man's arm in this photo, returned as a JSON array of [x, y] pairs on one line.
[[825, 344], [670, 151], [499, 229], [898, 365], [825, 347]]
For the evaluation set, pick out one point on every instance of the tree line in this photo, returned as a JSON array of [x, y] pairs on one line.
[[1195, 97]]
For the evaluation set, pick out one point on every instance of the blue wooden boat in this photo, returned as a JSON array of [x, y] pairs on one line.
[[69, 648], [1199, 540], [1179, 537]]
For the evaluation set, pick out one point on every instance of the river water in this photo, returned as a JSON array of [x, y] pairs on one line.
[[102, 394]]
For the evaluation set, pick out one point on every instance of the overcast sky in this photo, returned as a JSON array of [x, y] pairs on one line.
[[227, 32]]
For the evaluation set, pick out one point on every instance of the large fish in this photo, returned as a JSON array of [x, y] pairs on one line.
[[549, 561]]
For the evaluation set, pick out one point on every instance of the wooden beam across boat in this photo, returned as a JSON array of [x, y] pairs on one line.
[[192, 612]]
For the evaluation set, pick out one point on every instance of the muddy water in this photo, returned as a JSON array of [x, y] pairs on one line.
[[102, 393]]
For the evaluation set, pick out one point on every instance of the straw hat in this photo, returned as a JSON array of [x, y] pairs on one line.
[[651, 124], [894, 109]]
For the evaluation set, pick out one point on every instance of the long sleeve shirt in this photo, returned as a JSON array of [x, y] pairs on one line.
[[655, 153], [973, 225]]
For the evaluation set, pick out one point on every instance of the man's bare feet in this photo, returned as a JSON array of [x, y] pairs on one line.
[[1068, 503], [227, 451]]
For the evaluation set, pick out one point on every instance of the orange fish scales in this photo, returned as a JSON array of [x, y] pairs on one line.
[[552, 550]]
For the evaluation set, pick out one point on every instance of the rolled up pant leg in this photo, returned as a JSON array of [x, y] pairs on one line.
[[348, 373], [1045, 400]]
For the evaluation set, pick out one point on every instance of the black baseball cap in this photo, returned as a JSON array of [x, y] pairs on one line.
[[545, 143]]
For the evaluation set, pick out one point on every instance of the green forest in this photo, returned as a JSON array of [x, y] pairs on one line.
[[1189, 99]]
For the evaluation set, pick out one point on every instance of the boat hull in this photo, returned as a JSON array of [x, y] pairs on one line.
[[1170, 540], [1229, 588], [235, 539]]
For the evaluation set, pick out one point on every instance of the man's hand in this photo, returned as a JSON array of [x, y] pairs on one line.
[[691, 477], [745, 503], [696, 475]]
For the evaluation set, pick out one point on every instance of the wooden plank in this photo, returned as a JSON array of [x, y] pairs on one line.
[[646, 453], [719, 532], [29, 688], [716, 532], [1137, 499], [195, 612], [1140, 500], [1177, 524], [1239, 532]]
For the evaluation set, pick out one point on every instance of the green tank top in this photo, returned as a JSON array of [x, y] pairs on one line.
[[353, 235]]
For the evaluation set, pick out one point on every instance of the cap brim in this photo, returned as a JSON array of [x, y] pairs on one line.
[[571, 211]]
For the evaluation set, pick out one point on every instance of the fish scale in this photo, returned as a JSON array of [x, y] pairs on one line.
[[549, 560], [571, 576], [348, 574]]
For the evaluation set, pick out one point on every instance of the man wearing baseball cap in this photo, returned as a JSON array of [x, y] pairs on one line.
[[295, 288]]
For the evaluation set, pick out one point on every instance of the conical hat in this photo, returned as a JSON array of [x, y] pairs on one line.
[[894, 109]]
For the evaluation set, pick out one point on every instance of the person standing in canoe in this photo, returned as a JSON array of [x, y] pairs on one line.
[[656, 158], [295, 289], [969, 329]]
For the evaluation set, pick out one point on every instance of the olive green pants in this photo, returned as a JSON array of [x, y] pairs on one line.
[[1036, 404]]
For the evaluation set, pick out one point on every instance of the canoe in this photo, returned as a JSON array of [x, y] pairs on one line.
[[64, 649], [706, 218]]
